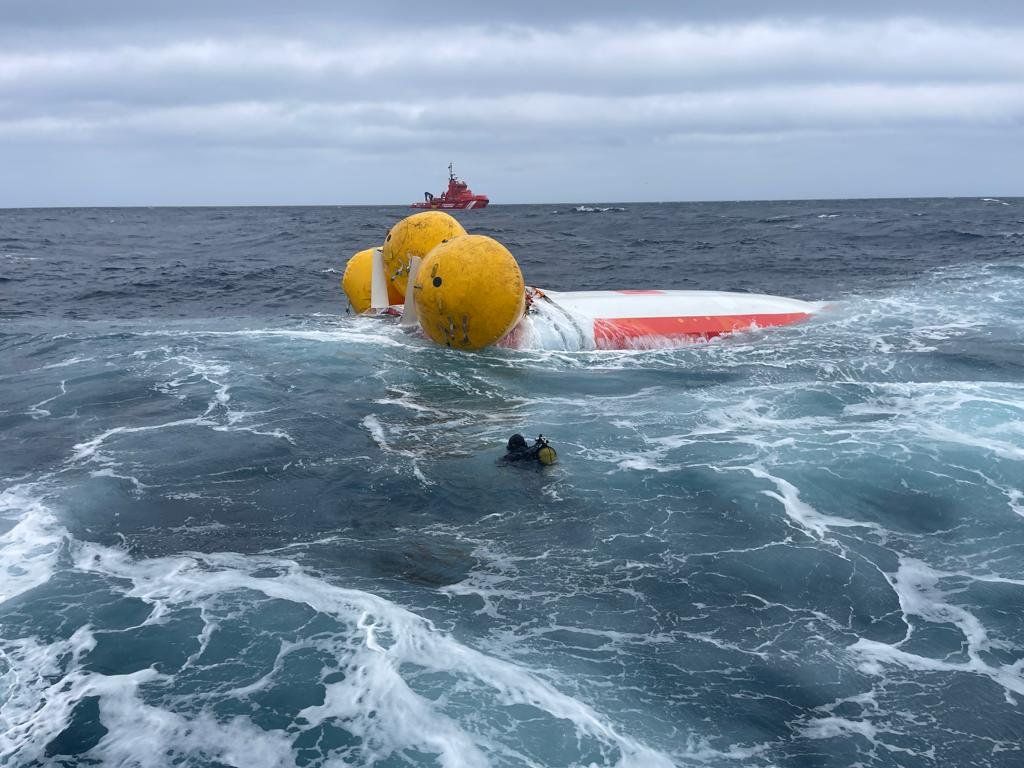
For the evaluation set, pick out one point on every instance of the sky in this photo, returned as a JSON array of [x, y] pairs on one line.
[[111, 102]]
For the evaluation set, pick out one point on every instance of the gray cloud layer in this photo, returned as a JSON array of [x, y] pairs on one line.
[[673, 109]]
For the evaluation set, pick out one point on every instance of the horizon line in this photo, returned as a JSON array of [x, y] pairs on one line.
[[564, 202]]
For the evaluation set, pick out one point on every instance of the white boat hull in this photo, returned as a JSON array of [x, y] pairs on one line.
[[642, 319]]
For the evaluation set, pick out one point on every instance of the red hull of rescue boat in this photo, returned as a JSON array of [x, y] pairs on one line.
[[476, 201], [458, 196]]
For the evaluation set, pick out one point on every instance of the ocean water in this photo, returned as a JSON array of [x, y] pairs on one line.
[[239, 526]]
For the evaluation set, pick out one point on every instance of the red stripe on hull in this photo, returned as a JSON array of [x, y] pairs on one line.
[[615, 333]]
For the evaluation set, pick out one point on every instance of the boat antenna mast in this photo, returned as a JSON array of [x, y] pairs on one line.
[[451, 172]]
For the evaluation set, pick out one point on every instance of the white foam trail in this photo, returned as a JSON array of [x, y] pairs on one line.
[[494, 580], [138, 485], [1017, 501], [205, 370], [145, 734], [943, 412], [1001, 448], [375, 700], [30, 549], [832, 727], [404, 399], [376, 430], [34, 710], [69, 361], [36, 411], [379, 436], [218, 415], [918, 587], [89, 450], [137, 733], [806, 517], [354, 335]]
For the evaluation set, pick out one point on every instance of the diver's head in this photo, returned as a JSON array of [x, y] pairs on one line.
[[517, 442]]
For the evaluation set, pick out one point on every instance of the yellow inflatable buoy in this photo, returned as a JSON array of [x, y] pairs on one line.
[[469, 292], [356, 282], [414, 236]]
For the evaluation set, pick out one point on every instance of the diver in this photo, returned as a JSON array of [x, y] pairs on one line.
[[540, 452]]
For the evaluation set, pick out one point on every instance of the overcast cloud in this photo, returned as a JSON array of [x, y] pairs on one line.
[[230, 104]]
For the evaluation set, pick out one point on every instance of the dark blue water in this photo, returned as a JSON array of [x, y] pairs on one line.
[[241, 527]]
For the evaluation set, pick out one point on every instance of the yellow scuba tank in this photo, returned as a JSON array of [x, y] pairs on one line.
[[546, 455]]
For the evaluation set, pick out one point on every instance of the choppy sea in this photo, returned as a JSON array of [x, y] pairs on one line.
[[240, 527]]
